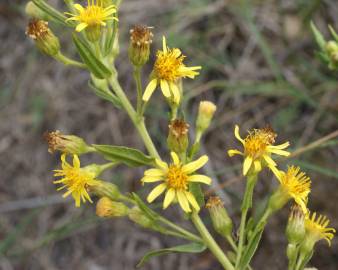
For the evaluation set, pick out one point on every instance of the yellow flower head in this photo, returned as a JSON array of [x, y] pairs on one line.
[[295, 184], [176, 178], [94, 14], [75, 179], [168, 69], [258, 147], [317, 229]]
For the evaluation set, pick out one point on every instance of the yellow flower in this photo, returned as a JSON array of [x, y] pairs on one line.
[[75, 179], [317, 229], [167, 71], [258, 147], [295, 184], [176, 178], [94, 14]]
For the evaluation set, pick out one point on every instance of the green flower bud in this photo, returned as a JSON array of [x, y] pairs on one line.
[[105, 207], [219, 216], [178, 140], [136, 215], [331, 47], [69, 144], [139, 48], [44, 38], [278, 199], [295, 229], [206, 112], [104, 189]]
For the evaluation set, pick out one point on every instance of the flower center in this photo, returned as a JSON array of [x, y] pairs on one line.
[[93, 15], [176, 178], [167, 64], [257, 141]]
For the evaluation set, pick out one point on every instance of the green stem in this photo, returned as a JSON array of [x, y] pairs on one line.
[[300, 261], [232, 243], [246, 205], [139, 123], [210, 242], [69, 62], [137, 78]]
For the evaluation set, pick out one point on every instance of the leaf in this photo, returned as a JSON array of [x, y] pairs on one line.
[[333, 33], [104, 94], [318, 36], [196, 190], [54, 14], [88, 57], [188, 248], [250, 250], [129, 156], [150, 213]]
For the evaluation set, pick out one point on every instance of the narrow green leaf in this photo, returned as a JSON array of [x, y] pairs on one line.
[[106, 95], [53, 13], [88, 57], [196, 190], [318, 36], [250, 250], [129, 156], [188, 248], [150, 213], [333, 33]]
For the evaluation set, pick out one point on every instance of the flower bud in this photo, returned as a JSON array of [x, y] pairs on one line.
[[178, 140], [35, 12], [278, 199], [69, 144], [44, 38], [139, 48], [136, 215], [295, 229], [206, 112], [331, 47], [219, 216], [105, 189], [105, 207]]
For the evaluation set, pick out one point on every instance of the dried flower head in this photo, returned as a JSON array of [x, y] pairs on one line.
[[37, 29], [258, 147], [141, 36], [105, 207]]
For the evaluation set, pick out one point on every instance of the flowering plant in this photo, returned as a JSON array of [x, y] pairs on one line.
[[96, 38]]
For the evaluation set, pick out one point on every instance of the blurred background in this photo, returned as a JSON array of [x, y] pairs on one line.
[[258, 67]]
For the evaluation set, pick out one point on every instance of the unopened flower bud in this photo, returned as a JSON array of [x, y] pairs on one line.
[[206, 112], [136, 215], [105, 189], [69, 144], [44, 38], [219, 216], [178, 136], [35, 12], [295, 230], [105, 207], [331, 47], [139, 48]]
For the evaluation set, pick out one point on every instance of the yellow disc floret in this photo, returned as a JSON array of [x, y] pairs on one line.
[[168, 69], [75, 179], [175, 179], [258, 147], [94, 14]]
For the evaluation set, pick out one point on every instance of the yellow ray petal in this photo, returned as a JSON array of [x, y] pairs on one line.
[[183, 201], [237, 134], [278, 151], [175, 158], [76, 161], [157, 191], [151, 179], [164, 45], [154, 172], [199, 178], [280, 146], [192, 200], [80, 27], [195, 165], [233, 152], [246, 165], [169, 197], [161, 164], [78, 7], [257, 165], [269, 160], [275, 171], [149, 90], [176, 92], [165, 88]]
